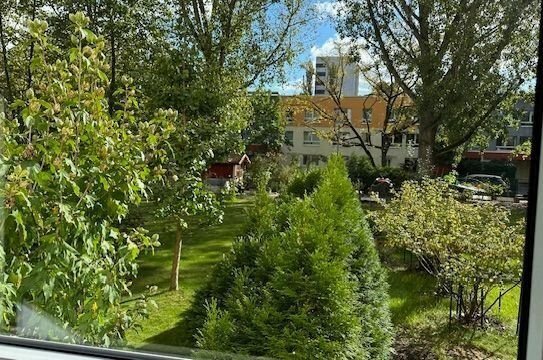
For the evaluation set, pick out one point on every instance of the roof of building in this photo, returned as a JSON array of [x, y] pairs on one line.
[[235, 159]]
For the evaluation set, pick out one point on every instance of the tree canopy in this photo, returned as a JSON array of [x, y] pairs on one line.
[[456, 60]]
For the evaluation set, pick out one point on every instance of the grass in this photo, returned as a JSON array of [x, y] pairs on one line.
[[202, 248], [423, 331], [420, 317]]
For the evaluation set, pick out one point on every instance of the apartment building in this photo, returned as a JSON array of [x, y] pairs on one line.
[[325, 66], [501, 149], [310, 137]]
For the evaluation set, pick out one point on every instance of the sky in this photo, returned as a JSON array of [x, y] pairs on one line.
[[320, 40]]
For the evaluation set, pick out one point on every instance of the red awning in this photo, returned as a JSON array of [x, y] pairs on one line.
[[503, 155]]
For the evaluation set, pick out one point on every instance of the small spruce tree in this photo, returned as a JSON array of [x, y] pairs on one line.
[[305, 284]]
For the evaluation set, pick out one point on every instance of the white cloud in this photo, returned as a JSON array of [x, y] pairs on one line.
[[336, 46], [329, 9], [293, 87]]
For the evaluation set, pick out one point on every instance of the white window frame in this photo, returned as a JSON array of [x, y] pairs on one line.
[[508, 147], [311, 138], [415, 142], [530, 121]]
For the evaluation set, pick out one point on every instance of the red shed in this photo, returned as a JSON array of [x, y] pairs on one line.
[[232, 168]]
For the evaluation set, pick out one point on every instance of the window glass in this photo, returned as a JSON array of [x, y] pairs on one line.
[[289, 137], [173, 180], [527, 117], [311, 138], [311, 115], [396, 140], [412, 139], [367, 115]]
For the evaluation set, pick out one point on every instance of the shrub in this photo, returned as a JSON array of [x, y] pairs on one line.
[[306, 284], [304, 183], [470, 248], [275, 171], [363, 174], [72, 170]]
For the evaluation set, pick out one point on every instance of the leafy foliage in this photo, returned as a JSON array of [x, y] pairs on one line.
[[267, 126], [523, 150], [300, 285], [274, 171], [305, 182], [425, 46], [472, 248], [72, 171], [362, 173]]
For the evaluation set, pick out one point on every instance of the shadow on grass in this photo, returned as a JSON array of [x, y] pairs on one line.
[[423, 331], [203, 248]]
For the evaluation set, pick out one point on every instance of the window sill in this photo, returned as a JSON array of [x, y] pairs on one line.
[[17, 348]]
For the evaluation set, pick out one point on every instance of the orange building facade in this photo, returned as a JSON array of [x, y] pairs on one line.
[[310, 130]]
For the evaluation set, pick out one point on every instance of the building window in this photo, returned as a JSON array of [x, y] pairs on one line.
[[341, 138], [396, 140], [289, 137], [523, 139], [412, 140], [321, 73], [310, 138], [310, 115], [339, 113], [392, 118], [289, 116], [320, 91], [507, 142], [366, 115], [320, 65], [311, 159], [527, 118]]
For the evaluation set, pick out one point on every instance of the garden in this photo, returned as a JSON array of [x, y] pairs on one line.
[[112, 236], [421, 318]]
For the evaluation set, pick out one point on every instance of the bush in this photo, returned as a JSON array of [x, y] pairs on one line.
[[363, 174], [470, 248], [274, 171], [306, 283], [304, 182]]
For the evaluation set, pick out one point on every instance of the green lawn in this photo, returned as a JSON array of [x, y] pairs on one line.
[[420, 317], [422, 327], [202, 248]]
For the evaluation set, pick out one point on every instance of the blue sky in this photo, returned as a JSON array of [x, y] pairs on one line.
[[318, 39]]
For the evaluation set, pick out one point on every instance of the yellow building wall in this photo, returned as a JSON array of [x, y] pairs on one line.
[[357, 105]]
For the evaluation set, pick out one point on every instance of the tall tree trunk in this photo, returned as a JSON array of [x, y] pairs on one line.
[[113, 80], [9, 90], [427, 134], [31, 51], [385, 145], [174, 276]]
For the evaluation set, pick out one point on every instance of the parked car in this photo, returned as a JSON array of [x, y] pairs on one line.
[[491, 185], [488, 179]]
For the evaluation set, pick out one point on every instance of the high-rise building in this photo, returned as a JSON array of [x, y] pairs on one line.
[[347, 75]]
